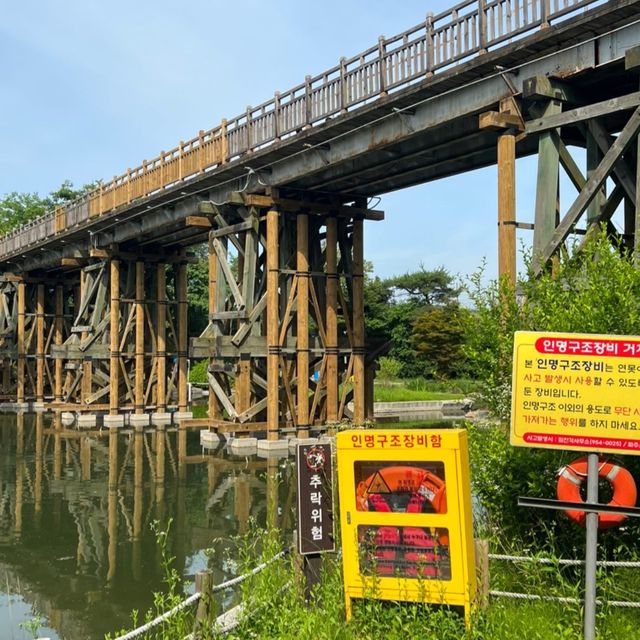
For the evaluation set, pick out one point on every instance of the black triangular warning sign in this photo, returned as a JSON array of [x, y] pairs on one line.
[[378, 484]]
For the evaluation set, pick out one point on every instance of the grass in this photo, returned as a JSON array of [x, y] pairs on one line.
[[277, 608]]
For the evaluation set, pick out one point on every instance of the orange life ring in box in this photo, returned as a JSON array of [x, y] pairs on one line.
[[574, 474], [419, 548]]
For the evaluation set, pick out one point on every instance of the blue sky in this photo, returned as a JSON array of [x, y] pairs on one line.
[[91, 88]]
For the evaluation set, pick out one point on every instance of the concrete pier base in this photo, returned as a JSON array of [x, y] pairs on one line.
[[211, 440], [161, 419], [182, 415], [294, 442], [140, 420], [114, 421], [242, 446], [87, 421], [281, 446]]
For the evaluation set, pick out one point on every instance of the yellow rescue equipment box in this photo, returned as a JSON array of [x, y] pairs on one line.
[[405, 511]]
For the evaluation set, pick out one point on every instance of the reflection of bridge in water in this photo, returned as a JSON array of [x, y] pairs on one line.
[[76, 509], [93, 297]]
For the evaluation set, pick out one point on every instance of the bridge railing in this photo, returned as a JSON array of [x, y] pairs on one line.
[[468, 29]]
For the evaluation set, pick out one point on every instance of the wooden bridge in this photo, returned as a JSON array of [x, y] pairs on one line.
[[93, 296]]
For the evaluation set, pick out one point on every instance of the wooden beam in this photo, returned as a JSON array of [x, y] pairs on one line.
[[40, 343], [311, 207], [302, 324], [161, 337], [139, 339], [358, 323], [183, 337], [545, 88], [214, 405], [21, 342], [197, 221], [72, 262], [332, 319], [58, 337], [273, 370], [546, 205], [507, 206], [623, 174], [574, 116], [496, 120], [592, 186], [632, 59]]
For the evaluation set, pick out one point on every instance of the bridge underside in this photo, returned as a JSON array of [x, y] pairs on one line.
[[93, 316]]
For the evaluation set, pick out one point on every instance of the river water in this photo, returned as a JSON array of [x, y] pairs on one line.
[[77, 549]]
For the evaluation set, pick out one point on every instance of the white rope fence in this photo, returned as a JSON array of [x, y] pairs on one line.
[[136, 633], [601, 563], [559, 561]]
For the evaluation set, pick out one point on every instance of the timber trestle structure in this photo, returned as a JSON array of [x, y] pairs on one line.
[[284, 343], [94, 296], [285, 338]]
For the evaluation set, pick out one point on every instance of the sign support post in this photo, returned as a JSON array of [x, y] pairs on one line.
[[315, 509], [591, 555]]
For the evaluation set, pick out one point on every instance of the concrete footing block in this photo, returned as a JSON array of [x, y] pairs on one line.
[[161, 419], [273, 449], [38, 407], [294, 442], [273, 445], [182, 415], [139, 420], [242, 446], [113, 421], [68, 418], [87, 420], [210, 439]]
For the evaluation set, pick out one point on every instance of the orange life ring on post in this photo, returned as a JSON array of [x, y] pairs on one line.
[[420, 486], [574, 474]]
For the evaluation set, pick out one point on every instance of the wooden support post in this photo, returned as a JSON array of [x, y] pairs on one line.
[[182, 337], [214, 405], [57, 446], [358, 322], [161, 338], [243, 383], [507, 206], [594, 157], [85, 458], [112, 507], [58, 337], [21, 342], [37, 484], [114, 361], [273, 350], [205, 613], [332, 319], [40, 343], [546, 211], [160, 454], [86, 386], [302, 316], [139, 372]]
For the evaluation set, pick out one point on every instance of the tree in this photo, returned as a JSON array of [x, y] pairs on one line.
[[437, 337], [19, 208], [392, 307]]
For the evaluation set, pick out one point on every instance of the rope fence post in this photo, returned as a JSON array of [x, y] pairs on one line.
[[205, 613]]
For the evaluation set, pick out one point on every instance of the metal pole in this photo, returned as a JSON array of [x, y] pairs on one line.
[[591, 550]]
